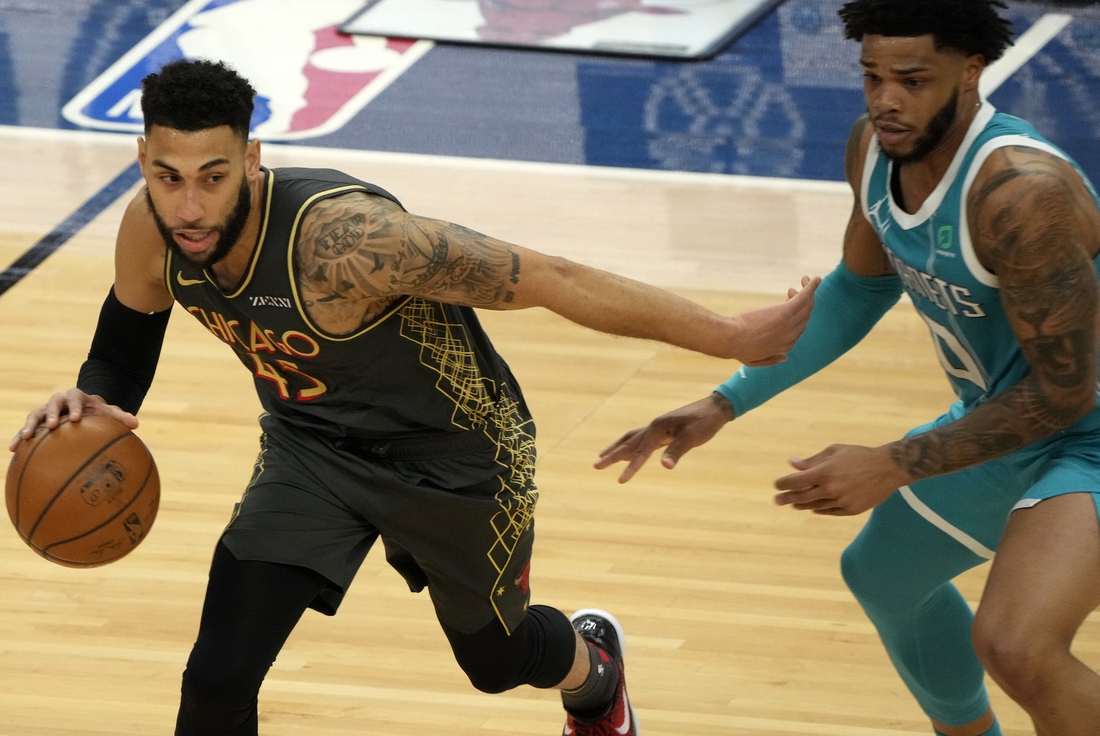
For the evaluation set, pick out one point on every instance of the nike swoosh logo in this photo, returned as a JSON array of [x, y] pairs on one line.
[[625, 728], [187, 282]]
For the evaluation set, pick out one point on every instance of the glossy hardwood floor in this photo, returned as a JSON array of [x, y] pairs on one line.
[[737, 620]]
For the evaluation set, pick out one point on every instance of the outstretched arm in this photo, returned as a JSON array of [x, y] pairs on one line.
[[849, 303], [1037, 228], [357, 252]]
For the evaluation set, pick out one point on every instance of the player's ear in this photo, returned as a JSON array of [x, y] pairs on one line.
[[973, 67], [252, 157], [141, 151]]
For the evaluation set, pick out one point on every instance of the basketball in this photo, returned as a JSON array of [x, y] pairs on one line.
[[83, 494]]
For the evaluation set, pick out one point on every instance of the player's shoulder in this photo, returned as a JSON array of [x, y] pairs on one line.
[[310, 182], [855, 152], [140, 255], [339, 223], [357, 205], [321, 193], [138, 227], [1013, 170]]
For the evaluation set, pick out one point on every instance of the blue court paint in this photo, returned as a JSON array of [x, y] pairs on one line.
[[778, 102], [9, 110], [1056, 91], [72, 224]]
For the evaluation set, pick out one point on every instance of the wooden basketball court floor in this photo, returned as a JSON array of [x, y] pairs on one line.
[[737, 621]]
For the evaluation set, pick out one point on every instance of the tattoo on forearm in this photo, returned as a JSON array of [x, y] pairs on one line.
[[514, 276], [1035, 228], [723, 405]]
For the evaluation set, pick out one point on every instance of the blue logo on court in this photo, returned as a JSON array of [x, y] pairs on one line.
[[310, 78]]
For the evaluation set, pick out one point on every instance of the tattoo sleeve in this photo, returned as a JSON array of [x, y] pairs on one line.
[[1035, 226], [358, 252]]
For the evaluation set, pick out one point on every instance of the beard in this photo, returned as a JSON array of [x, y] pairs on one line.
[[933, 135], [228, 232]]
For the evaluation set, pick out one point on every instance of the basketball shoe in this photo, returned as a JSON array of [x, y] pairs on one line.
[[601, 629]]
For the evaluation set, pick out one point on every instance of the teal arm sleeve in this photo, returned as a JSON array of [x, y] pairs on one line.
[[846, 307]]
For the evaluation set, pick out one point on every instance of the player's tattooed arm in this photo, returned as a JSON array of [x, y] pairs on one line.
[[1035, 227], [358, 252]]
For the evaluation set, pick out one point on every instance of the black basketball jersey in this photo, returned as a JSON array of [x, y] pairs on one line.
[[421, 368]]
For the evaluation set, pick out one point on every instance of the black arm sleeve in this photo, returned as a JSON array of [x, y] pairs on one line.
[[124, 354]]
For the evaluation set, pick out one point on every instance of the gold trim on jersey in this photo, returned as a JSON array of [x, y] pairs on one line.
[[252, 261], [294, 278], [259, 242], [168, 274]]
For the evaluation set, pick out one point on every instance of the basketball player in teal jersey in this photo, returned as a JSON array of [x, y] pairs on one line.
[[388, 412], [994, 234]]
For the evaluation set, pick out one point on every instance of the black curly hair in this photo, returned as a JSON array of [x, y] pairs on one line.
[[969, 26], [192, 95]]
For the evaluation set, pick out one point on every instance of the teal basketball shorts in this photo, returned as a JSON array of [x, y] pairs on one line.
[[974, 505]]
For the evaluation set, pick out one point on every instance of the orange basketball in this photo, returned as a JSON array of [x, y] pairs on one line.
[[83, 494]]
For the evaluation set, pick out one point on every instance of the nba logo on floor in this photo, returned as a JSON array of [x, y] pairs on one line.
[[309, 78]]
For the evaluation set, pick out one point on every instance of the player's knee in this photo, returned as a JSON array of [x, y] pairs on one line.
[[539, 652], [860, 572], [1020, 661], [879, 586], [489, 658], [219, 675], [490, 681], [209, 708]]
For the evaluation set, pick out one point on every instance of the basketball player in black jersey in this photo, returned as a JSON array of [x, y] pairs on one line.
[[388, 412]]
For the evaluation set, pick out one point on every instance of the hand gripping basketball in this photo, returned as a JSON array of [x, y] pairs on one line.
[[84, 493]]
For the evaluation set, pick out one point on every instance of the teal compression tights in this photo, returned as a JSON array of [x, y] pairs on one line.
[[900, 569]]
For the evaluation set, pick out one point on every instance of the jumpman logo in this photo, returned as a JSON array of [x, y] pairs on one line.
[[875, 211]]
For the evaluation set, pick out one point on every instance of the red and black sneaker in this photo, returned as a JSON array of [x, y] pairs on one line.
[[600, 628]]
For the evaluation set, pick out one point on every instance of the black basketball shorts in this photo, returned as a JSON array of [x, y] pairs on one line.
[[455, 516]]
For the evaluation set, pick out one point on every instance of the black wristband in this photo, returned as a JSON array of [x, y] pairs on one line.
[[124, 354]]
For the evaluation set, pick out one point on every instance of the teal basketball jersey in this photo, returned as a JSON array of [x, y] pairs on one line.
[[933, 253]]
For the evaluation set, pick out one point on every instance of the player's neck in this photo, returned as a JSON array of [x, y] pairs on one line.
[[920, 178], [229, 271]]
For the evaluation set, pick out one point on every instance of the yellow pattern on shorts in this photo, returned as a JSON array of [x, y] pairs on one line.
[[445, 348]]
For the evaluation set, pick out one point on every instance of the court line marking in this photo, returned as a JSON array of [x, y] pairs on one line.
[[70, 226], [1024, 50], [580, 171], [1026, 47], [497, 707]]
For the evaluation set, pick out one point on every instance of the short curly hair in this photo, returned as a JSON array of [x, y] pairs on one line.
[[197, 94], [969, 26]]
